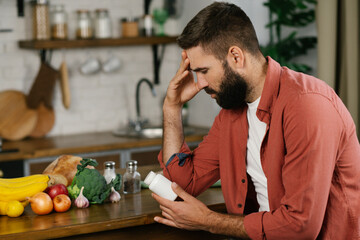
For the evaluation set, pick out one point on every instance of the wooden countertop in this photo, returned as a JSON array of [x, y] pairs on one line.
[[80, 143], [132, 210]]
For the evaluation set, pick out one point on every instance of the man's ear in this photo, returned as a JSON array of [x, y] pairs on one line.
[[236, 57]]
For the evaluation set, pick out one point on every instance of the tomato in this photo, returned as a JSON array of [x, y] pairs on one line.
[[56, 189], [62, 203]]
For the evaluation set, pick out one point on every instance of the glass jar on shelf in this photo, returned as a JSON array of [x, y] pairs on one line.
[[129, 27], [41, 23], [102, 24], [84, 29], [131, 178], [58, 22]]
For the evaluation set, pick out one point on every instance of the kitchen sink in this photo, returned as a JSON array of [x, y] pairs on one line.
[[147, 132]]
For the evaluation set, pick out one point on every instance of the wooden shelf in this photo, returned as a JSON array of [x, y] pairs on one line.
[[112, 42]]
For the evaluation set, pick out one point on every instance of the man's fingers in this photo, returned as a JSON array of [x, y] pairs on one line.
[[179, 191], [167, 216], [184, 62], [162, 201], [166, 210], [165, 221]]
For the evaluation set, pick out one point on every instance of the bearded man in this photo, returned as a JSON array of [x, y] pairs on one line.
[[284, 145]]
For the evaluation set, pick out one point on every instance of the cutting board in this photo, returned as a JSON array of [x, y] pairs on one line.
[[16, 119], [45, 121]]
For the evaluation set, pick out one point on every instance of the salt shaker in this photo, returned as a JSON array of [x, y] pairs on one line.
[[131, 178], [109, 171]]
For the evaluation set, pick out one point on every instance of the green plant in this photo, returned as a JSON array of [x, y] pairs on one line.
[[294, 14]]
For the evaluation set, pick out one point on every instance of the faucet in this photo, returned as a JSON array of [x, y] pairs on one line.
[[139, 122]]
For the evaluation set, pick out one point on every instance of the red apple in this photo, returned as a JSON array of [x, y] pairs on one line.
[[56, 189]]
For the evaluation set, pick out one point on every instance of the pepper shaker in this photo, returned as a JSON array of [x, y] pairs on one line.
[[131, 177]]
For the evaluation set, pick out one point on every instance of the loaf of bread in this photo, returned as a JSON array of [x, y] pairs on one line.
[[63, 169]]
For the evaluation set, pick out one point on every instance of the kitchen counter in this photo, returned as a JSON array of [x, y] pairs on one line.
[[132, 217], [80, 143]]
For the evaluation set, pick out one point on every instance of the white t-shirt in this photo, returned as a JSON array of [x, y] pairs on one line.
[[257, 131]]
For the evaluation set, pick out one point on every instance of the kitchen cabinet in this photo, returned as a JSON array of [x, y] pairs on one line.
[[33, 155], [145, 156], [45, 45], [35, 166]]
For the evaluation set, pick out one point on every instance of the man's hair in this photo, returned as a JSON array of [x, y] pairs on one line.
[[218, 27]]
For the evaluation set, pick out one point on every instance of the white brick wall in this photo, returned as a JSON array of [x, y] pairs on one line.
[[100, 102], [103, 102]]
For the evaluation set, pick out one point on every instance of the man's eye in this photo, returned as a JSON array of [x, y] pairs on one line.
[[204, 71]]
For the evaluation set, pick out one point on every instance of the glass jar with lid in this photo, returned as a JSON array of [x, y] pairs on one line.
[[84, 29], [102, 24], [41, 23], [132, 178], [58, 22], [109, 171]]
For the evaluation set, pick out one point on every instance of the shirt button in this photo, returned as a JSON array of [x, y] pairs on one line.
[[240, 205], [243, 180]]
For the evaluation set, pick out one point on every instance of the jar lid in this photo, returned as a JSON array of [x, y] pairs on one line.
[[101, 10], [42, 2], [109, 164], [57, 7], [149, 178], [129, 19], [131, 163], [82, 11]]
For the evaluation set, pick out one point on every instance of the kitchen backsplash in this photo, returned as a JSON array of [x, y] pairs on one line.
[[99, 102]]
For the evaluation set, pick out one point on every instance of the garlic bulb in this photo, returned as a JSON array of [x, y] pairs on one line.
[[114, 196], [81, 201]]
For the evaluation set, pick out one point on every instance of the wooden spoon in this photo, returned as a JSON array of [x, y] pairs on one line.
[[64, 83]]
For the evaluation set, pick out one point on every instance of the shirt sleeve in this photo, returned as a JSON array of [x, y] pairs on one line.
[[197, 170], [312, 131]]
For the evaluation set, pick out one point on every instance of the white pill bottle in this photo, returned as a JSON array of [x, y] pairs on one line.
[[160, 185]]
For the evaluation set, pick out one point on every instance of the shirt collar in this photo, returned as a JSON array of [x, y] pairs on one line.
[[271, 89], [269, 94]]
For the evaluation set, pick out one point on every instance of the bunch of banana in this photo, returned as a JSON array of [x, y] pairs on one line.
[[21, 188]]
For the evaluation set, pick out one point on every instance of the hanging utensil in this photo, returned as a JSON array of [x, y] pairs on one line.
[[40, 98], [64, 84]]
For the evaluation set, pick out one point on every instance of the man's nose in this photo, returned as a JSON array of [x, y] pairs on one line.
[[201, 81]]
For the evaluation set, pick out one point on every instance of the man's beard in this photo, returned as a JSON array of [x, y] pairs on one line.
[[233, 90]]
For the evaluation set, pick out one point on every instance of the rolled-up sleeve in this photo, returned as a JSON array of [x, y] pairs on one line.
[[197, 170]]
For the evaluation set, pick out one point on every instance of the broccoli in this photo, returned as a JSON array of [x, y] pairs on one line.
[[95, 188]]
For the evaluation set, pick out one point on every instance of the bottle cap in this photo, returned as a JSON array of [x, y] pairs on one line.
[[109, 164], [131, 163], [150, 177]]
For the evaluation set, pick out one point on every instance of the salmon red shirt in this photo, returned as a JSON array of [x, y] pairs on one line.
[[310, 155]]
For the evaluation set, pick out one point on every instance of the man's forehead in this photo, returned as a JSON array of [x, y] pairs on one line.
[[195, 52], [198, 57]]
